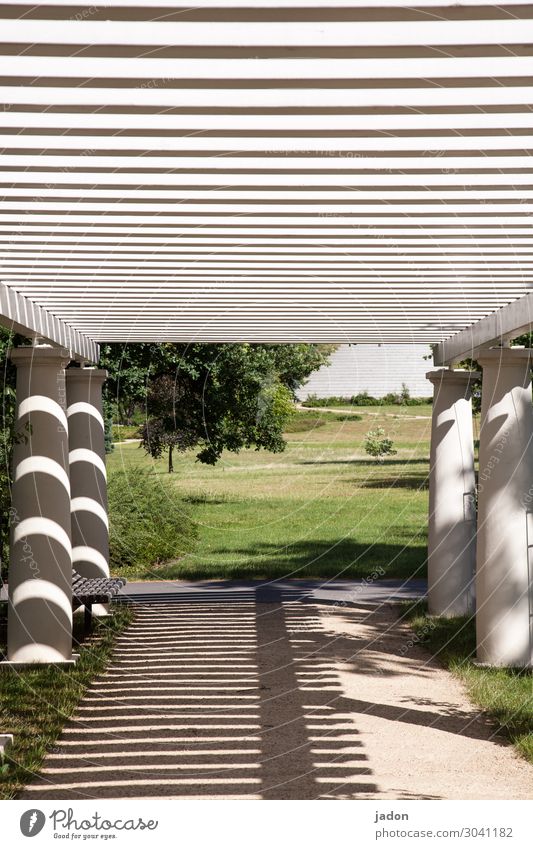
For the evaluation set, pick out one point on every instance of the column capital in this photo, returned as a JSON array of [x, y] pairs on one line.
[[39, 355], [87, 375], [461, 377], [506, 357]]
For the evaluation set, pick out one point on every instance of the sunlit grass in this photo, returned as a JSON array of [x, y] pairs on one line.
[[321, 508]]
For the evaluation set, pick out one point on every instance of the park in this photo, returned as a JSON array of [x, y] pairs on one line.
[[215, 586]]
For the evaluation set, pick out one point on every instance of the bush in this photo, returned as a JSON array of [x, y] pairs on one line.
[[149, 523], [392, 398], [363, 399], [304, 422], [315, 401]]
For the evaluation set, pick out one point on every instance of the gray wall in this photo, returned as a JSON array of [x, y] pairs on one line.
[[377, 368]]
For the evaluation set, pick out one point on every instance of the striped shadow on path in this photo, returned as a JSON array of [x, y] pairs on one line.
[[210, 695], [277, 691]]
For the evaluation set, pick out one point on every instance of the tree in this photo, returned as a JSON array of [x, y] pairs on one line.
[[211, 397], [170, 424], [378, 445], [130, 367]]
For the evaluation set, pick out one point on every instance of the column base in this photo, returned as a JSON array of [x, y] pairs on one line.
[[100, 611], [484, 664], [6, 742], [20, 664]]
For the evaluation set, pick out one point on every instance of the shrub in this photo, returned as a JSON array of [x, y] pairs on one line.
[[315, 401], [304, 422], [108, 426], [377, 444], [149, 523], [392, 398], [363, 399], [405, 395]]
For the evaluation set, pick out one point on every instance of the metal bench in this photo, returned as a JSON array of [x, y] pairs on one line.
[[89, 591]]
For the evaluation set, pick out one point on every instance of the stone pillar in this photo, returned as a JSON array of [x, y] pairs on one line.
[[88, 482], [505, 509], [40, 570], [452, 505]]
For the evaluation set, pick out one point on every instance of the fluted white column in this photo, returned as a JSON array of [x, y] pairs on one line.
[[505, 503], [452, 512], [40, 564], [88, 483]]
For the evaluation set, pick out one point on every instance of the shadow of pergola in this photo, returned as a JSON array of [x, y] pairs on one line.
[[223, 694]]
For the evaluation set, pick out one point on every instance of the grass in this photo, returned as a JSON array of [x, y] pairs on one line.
[[388, 410], [321, 508], [35, 702], [505, 694], [306, 420]]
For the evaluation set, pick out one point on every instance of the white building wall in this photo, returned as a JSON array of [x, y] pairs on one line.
[[379, 369]]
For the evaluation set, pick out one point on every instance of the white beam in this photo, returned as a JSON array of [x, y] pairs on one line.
[[265, 34], [308, 145], [313, 223], [277, 98], [427, 161], [110, 68], [456, 266], [319, 196], [84, 182], [23, 316], [283, 4], [509, 322], [238, 254]]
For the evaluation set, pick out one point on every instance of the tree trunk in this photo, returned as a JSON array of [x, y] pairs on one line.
[[170, 463]]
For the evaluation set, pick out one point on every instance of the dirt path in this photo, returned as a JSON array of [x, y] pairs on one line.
[[232, 695]]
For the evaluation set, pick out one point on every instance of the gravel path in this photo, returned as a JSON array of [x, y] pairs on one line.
[[256, 693]]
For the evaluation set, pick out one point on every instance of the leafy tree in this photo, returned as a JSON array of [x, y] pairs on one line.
[[171, 423], [378, 445], [130, 367], [212, 397]]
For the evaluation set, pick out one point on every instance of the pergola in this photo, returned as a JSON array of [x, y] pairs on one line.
[[270, 171]]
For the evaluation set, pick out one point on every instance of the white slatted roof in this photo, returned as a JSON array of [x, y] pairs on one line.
[[292, 170]]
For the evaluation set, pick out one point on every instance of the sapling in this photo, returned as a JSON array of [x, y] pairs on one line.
[[378, 445]]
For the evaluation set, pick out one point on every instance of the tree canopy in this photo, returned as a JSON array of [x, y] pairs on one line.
[[210, 397]]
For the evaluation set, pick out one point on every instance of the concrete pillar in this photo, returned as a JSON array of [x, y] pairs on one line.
[[40, 570], [88, 482], [505, 505], [452, 506]]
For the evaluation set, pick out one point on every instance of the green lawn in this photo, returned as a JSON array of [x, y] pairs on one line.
[[506, 694], [322, 508]]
